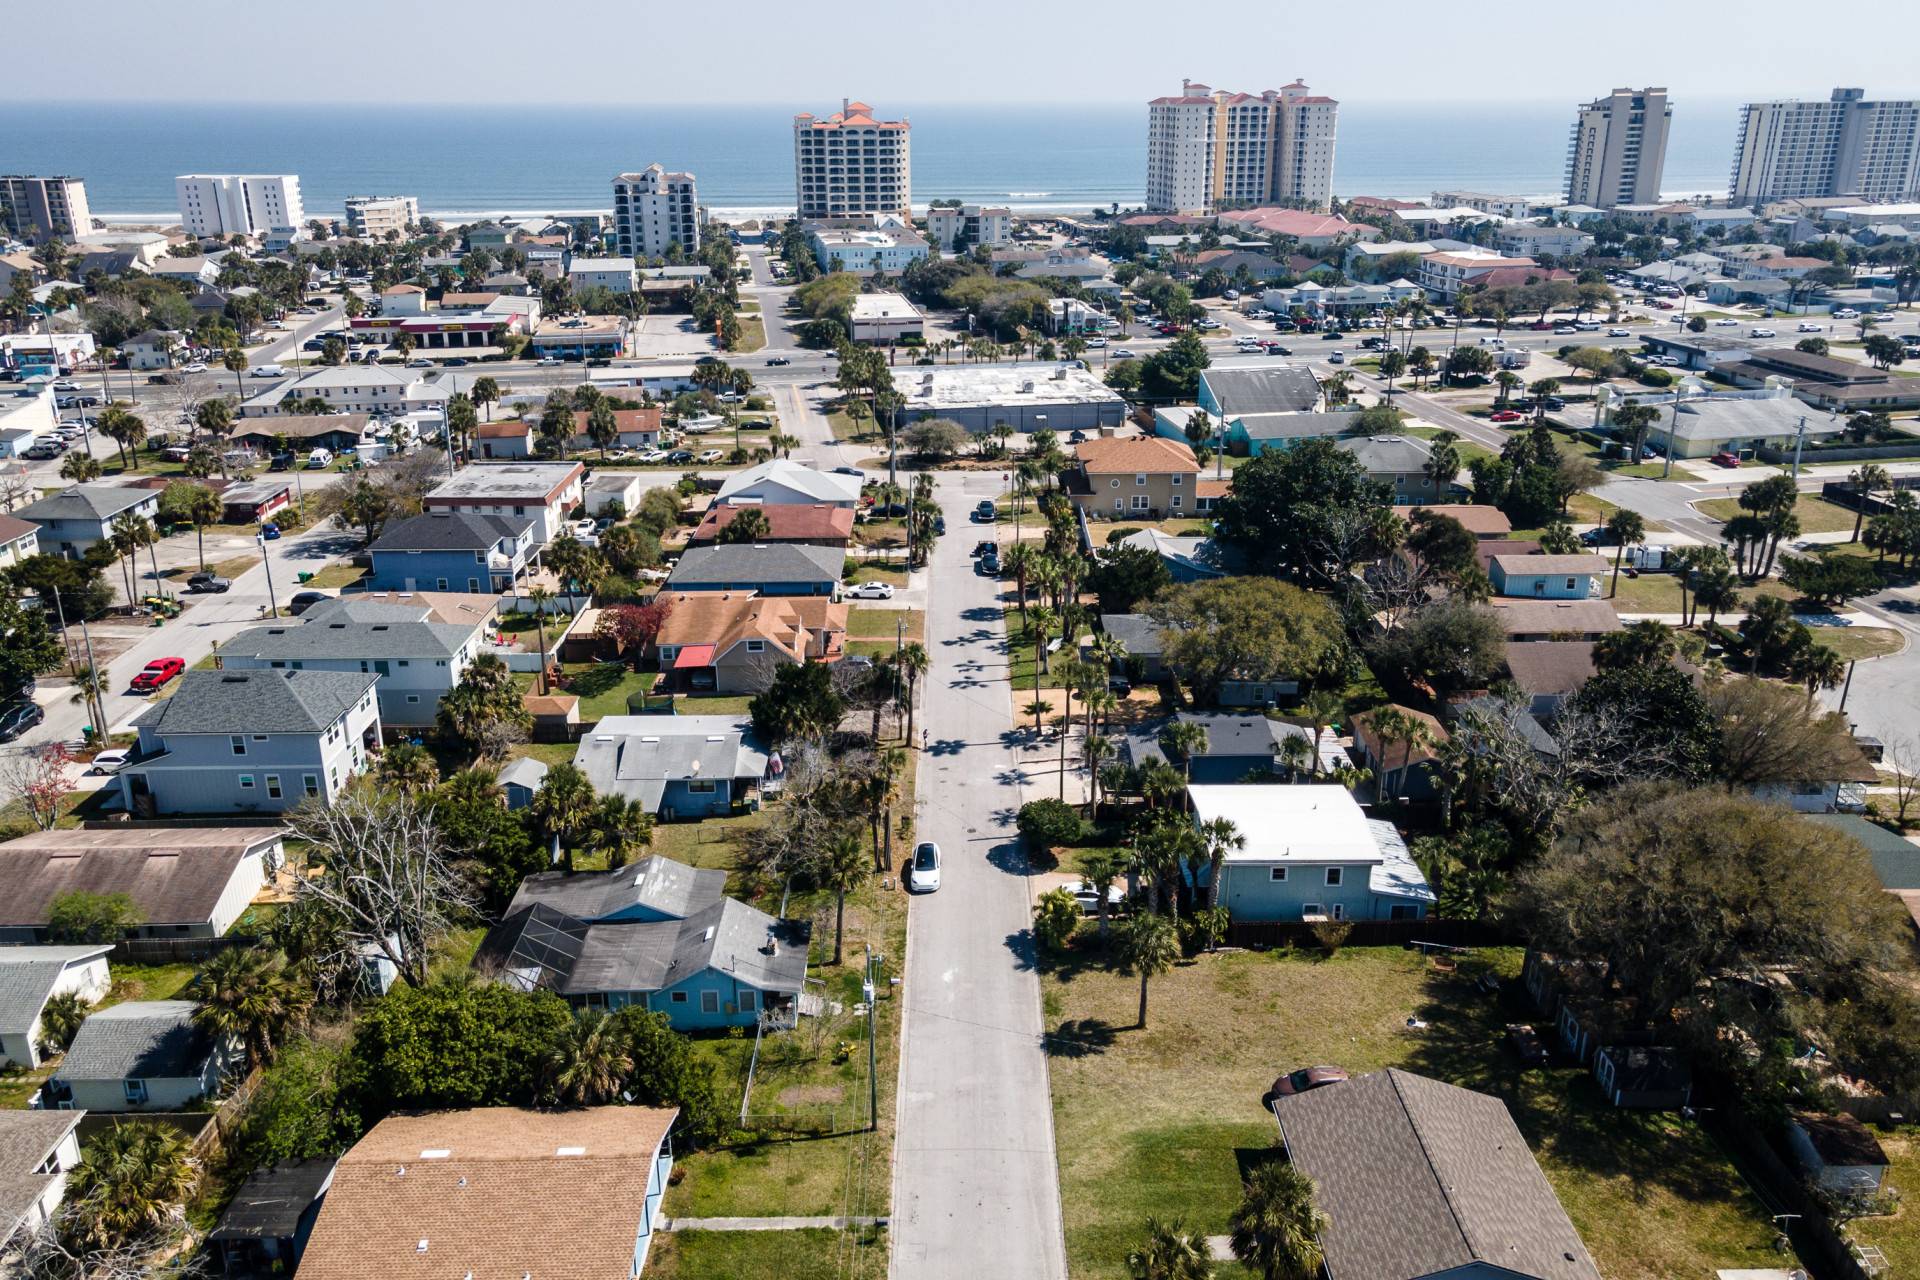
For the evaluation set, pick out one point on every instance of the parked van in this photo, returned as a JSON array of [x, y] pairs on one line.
[[319, 458]]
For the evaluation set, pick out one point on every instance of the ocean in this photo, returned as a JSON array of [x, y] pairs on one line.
[[469, 160]]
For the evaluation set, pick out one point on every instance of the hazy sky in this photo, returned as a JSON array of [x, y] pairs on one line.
[[808, 56]]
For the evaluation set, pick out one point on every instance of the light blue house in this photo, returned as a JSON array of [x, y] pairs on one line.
[[657, 934], [452, 551], [677, 766], [1543, 577], [1310, 854]]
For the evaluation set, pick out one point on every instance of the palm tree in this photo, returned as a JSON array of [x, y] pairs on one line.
[[247, 995], [408, 769], [1276, 1230], [1185, 739], [485, 392], [1323, 709], [131, 1178], [1040, 623], [60, 1020], [912, 663], [1626, 528], [563, 805], [1221, 836], [567, 556], [1864, 479], [1148, 946], [200, 507], [1170, 1252], [1095, 751], [1818, 667], [123, 427], [590, 1062], [80, 468], [1769, 625], [234, 361], [1100, 869], [1019, 561], [89, 688], [540, 596], [1160, 782], [620, 828], [1506, 380], [843, 867]]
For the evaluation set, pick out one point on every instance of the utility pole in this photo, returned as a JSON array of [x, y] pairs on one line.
[[1799, 440], [266, 562], [93, 682], [1673, 424], [1846, 688], [871, 992]]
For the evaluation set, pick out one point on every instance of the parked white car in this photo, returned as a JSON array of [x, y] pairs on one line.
[[923, 876], [872, 591], [709, 455], [1619, 333], [112, 761]]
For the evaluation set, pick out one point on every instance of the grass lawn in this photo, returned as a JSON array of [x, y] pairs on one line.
[[336, 576], [1467, 449], [870, 623], [229, 569], [17, 1085], [1860, 642], [548, 753], [1660, 592], [149, 981], [1020, 655], [1572, 443], [880, 533], [714, 704], [846, 429], [1897, 1236], [767, 1255], [1163, 1120], [871, 571], [753, 333], [1817, 515]]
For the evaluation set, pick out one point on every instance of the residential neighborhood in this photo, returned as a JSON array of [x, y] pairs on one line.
[[1310, 710]]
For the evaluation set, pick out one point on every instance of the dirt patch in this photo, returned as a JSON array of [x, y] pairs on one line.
[[801, 1095], [109, 642]]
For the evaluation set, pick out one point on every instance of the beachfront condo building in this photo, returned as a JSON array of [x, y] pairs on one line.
[[653, 209], [852, 165], [1209, 149], [239, 204], [43, 208], [1618, 149], [1845, 146], [372, 217], [963, 226]]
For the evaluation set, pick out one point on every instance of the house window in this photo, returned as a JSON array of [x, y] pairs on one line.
[[1402, 913], [1277, 874], [246, 782], [1333, 876], [756, 646], [273, 786], [1119, 504], [310, 783], [709, 1002], [1570, 584], [239, 744], [136, 1091], [442, 583], [1114, 483], [1140, 478], [413, 697], [1140, 501], [666, 652], [1312, 909], [701, 788], [748, 1000], [679, 997], [1173, 503], [1177, 481]]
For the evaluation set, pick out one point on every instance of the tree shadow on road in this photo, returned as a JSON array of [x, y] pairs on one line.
[[981, 613], [1010, 858], [1020, 944], [946, 746]]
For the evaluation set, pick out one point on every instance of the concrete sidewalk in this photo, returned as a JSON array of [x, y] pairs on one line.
[[767, 1224]]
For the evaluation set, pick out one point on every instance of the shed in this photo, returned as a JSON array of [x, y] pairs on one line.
[[1650, 1076], [267, 1224], [1838, 1152], [520, 779]]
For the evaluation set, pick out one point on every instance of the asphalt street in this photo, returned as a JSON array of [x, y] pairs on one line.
[[976, 1190]]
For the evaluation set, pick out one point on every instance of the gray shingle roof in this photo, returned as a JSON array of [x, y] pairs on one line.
[[271, 1202], [87, 502], [524, 771], [257, 701], [451, 531], [139, 1040], [1293, 426], [539, 947], [1388, 453], [1419, 1177], [26, 1139], [27, 975], [1895, 860], [747, 563], [657, 883], [335, 637], [635, 756], [1281, 388], [1137, 631]]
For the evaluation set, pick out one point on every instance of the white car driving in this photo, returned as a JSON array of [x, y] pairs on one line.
[[1619, 333], [1761, 333], [1807, 326], [923, 876]]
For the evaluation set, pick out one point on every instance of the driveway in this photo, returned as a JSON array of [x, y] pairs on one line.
[[976, 1182]]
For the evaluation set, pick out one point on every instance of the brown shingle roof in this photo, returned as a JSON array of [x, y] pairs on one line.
[[627, 420], [724, 618], [1553, 617], [1536, 564], [1152, 454], [786, 522], [494, 1192], [174, 875], [1550, 666], [1482, 522], [505, 429]]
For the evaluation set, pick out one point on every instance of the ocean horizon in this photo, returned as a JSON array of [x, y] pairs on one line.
[[465, 161]]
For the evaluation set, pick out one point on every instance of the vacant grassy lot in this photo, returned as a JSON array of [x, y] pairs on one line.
[[1860, 642], [336, 576], [870, 571], [868, 623], [1163, 1120], [1660, 592], [230, 569], [768, 1255], [1817, 515]]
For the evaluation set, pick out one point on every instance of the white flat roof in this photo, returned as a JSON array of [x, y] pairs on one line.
[[883, 306], [1320, 823], [939, 387]]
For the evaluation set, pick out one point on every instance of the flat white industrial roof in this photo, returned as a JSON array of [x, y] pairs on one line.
[[1311, 823], [883, 306], [971, 386]]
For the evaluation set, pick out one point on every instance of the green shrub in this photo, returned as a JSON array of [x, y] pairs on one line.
[[1048, 824], [1055, 917]]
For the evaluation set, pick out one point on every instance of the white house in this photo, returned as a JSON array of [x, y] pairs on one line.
[[784, 481], [418, 661], [617, 275], [143, 1055], [18, 540], [347, 388], [547, 491], [31, 976], [1310, 854], [37, 1151], [251, 741]]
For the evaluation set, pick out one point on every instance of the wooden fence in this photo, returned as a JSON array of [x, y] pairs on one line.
[[175, 950], [1373, 933], [1820, 1245]]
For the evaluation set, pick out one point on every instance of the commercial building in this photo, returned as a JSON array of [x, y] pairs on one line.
[[1208, 147], [851, 164], [239, 204], [583, 337], [373, 217], [1846, 145], [1443, 275], [957, 229], [653, 209], [1312, 231], [863, 246], [1027, 397], [1618, 148], [885, 317], [45, 208]]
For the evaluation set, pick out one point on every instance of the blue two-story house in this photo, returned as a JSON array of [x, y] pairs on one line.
[[657, 934], [452, 551], [1310, 854], [769, 568], [1545, 577], [72, 519], [677, 766]]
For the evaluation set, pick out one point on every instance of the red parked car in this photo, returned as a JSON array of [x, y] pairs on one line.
[[1508, 415], [1725, 459], [157, 673]]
